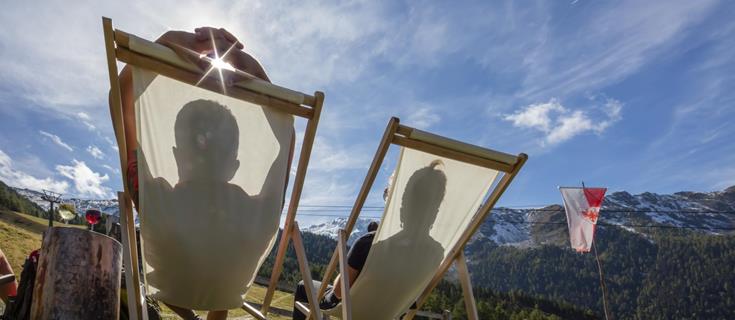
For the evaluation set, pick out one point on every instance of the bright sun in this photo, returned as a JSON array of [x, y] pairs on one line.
[[221, 64]]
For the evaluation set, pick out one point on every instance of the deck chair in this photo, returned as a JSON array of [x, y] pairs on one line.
[[212, 169], [440, 193]]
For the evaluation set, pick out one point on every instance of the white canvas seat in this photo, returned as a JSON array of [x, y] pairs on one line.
[[441, 190], [212, 171], [212, 175]]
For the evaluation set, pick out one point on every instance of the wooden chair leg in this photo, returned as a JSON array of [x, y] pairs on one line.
[[253, 311], [342, 249], [130, 257], [298, 245], [464, 278]]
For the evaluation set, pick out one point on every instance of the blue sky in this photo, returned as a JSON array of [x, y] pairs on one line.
[[632, 95]]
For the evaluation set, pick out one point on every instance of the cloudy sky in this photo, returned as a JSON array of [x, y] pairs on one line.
[[632, 95]]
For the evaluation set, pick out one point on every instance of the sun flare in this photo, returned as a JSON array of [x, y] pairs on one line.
[[221, 64]]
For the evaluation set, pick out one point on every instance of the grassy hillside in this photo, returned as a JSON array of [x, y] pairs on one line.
[[18, 236], [11, 200], [21, 233]]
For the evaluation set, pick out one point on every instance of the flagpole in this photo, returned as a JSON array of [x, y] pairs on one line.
[[602, 281]]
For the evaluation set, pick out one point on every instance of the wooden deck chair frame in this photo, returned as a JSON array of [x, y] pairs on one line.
[[167, 63], [408, 137]]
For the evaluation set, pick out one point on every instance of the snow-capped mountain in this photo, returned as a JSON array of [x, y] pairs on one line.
[[331, 228], [108, 206], [710, 212]]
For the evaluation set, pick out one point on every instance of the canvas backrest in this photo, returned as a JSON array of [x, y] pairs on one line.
[[431, 202], [212, 171]]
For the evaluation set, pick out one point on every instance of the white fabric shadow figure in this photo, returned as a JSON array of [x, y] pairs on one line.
[[431, 202], [203, 236], [410, 255]]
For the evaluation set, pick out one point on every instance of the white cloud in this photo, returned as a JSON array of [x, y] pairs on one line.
[[423, 118], [568, 126], [112, 143], [84, 116], [293, 39], [10, 174], [328, 190], [559, 124], [86, 181], [536, 115], [289, 37], [95, 152], [87, 120], [113, 170], [56, 140], [326, 157], [605, 48]]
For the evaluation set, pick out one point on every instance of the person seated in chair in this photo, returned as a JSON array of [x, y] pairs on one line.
[[206, 138], [355, 261]]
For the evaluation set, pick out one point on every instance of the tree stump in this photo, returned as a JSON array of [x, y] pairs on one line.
[[78, 276]]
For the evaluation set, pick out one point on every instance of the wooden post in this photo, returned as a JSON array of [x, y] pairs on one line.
[[130, 256], [342, 249], [464, 278], [115, 98], [253, 311], [298, 246], [385, 143], [298, 185], [602, 283], [78, 276], [51, 215]]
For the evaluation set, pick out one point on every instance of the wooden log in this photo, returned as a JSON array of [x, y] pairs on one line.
[[78, 276]]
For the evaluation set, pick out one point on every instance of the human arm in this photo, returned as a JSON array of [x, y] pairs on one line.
[[356, 258], [351, 276]]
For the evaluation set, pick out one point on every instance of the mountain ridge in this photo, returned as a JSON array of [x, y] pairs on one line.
[[710, 213]]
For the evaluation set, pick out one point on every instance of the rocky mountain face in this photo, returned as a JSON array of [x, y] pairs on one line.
[[108, 206], [708, 213], [331, 228]]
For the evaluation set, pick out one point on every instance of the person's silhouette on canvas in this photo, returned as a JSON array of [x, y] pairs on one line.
[[202, 218], [411, 254], [203, 41]]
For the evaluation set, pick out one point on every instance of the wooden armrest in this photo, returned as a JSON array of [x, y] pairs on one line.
[[302, 307], [8, 278], [253, 311]]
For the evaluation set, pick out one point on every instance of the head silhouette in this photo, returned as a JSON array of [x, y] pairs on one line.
[[207, 139], [372, 226], [422, 197]]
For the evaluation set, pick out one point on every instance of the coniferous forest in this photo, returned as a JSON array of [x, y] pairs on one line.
[[668, 274]]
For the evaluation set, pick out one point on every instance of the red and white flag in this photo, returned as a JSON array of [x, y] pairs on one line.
[[583, 208]]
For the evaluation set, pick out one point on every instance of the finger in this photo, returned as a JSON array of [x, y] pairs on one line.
[[201, 34], [206, 33], [230, 37]]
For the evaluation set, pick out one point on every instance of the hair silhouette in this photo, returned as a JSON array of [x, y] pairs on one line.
[[422, 197]]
